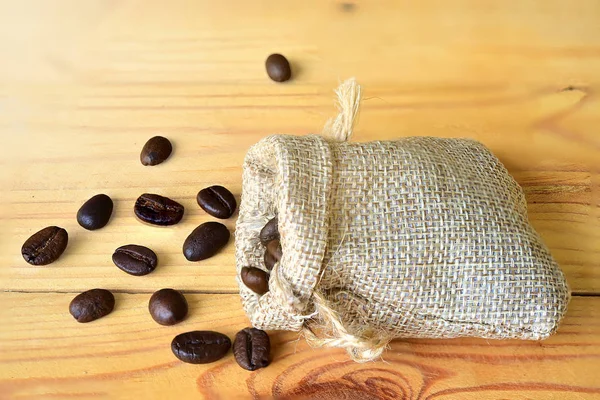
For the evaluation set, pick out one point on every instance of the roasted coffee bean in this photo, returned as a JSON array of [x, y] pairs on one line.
[[273, 254], [269, 232], [278, 68], [168, 306], [95, 213], [217, 201], [200, 347], [270, 260], [156, 150], [205, 241], [135, 260], [255, 279], [274, 247], [45, 246], [91, 305], [251, 349], [158, 210]]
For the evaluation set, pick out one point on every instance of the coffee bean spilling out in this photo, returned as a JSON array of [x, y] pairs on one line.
[[156, 150], [200, 347], [91, 305], [278, 68], [168, 306], [158, 210], [205, 241], [252, 348], [255, 279], [273, 254], [270, 260], [44, 247], [95, 213], [217, 201], [270, 231], [135, 260]]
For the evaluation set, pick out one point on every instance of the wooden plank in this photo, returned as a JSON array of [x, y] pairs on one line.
[[44, 353], [85, 87]]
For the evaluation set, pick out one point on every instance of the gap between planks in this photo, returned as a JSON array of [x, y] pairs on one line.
[[118, 291], [573, 294]]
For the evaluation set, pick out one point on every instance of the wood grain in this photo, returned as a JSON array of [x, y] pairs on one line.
[[46, 353], [83, 84]]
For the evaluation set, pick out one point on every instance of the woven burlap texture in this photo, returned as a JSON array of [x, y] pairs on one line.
[[420, 237]]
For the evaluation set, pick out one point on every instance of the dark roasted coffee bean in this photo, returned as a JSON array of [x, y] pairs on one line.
[[200, 347], [156, 150], [273, 254], [217, 201], [278, 68], [168, 307], [205, 241], [91, 305], [274, 247], [45, 246], [95, 213], [252, 348], [158, 210], [270, 260], [269, 232], [255, 279], [135, 260]]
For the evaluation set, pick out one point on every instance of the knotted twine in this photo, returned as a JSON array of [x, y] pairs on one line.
[[418, 237]]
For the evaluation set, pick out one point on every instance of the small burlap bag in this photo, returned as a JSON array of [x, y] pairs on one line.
[[420, 237]]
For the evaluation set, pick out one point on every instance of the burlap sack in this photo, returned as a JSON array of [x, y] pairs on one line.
[[419, 237]]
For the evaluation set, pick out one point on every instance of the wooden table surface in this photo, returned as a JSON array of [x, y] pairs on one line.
[[83, 84]]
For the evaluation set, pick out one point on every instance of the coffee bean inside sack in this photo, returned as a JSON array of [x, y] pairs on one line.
[[255, 279], [269, 232], [273, 254], [269, 237]]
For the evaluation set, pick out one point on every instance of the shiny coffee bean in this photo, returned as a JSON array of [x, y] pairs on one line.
[[91, 305], [278, 68], [158, 210], [217, 201], [168, 306], [95, 213], [252, 348], [135, 260], [205, 241], [269, 232], [45, 246], [255, 279], [200, 347], [156, 150]]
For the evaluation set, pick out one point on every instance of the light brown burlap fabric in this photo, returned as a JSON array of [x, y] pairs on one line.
[[419, 237]]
